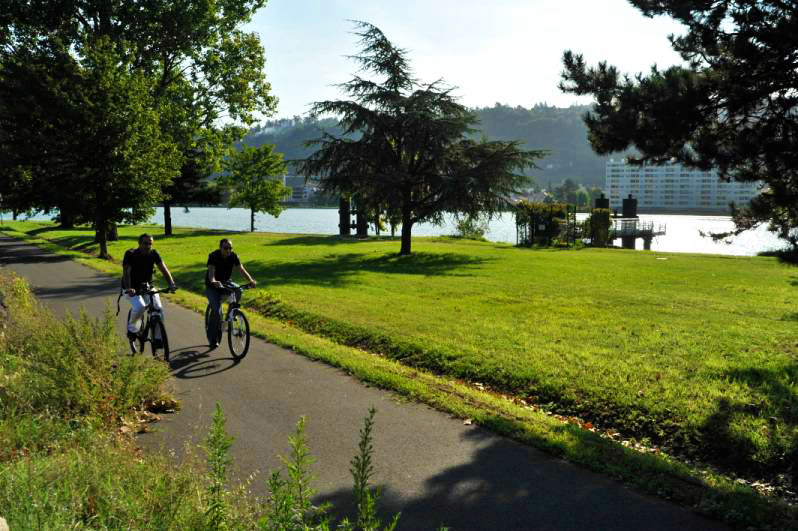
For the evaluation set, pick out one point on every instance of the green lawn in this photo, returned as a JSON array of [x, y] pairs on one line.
[[694, 352]]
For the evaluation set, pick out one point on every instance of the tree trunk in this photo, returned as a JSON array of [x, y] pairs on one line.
[[344, 228], [407, 227], [251, 220], [167, 218], [66, 218], [101, 235], [14, 214]]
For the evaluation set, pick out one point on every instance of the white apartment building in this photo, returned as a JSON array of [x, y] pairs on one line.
[[673, 187]]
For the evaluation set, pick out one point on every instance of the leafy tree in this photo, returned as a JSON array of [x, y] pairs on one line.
[[732, 106], [405, 145], [94, 138], [204, 68], [191, 186], [250, 178], [567, 192]]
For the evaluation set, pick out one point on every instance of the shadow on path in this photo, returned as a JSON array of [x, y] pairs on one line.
[[543, 493], [196, 362]]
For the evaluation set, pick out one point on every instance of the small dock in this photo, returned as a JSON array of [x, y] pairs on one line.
[[630, 228]]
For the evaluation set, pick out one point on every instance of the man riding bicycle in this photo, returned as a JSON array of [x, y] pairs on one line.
[[220, 268], [137, 266]]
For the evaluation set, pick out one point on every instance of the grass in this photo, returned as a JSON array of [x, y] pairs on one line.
[[691, 352]]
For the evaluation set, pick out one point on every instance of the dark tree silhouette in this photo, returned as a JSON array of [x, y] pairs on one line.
[[405, 146], [733, 106]]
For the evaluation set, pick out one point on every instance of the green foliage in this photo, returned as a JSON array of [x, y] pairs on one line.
[[731, 107], [539, 223], [289, 506], [217, 446], [471, 227], [406, 147], [559, 130], [62, 379], [106, 159], [598, 226], [362, 470], [127, 101], [253, 180]]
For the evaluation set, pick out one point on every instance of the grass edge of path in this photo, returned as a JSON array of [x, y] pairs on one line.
[[701, 490]]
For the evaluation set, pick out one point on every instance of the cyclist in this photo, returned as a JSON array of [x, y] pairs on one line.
[[220, 268], [137, 267]]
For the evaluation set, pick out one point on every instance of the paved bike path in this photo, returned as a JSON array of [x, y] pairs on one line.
[[431, 467]]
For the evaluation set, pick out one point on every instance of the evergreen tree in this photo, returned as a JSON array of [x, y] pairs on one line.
[[405, 145], [733, 105]]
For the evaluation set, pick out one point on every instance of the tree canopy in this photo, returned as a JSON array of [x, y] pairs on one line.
[[253, 181], [405, 145], [200, 68], [732, 106]]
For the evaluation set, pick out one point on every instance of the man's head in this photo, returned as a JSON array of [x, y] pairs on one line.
[[145, 243], [225, 246]]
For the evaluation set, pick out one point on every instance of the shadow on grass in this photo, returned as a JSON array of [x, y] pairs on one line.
[[321, 239], [776, 400], [506, 485], [335, 270]]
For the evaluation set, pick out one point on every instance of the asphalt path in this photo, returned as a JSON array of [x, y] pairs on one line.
[[431, 467]]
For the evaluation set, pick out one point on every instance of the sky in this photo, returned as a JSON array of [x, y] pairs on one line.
[[492, 51]]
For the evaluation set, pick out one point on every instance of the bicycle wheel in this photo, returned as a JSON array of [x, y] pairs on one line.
[[213, 338], [238, 333], [136, 345], [158, 329]]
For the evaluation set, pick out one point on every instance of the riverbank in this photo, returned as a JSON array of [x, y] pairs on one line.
[[653, 360], [683, 232]]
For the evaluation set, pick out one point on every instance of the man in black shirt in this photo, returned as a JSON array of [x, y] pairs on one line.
[[221, 263], [137, 267]]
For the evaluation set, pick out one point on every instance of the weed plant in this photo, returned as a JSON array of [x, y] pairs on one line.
[[66, 388]]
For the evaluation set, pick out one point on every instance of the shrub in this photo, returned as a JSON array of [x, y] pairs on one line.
[[61, 378], [471, 227], [539, 223]]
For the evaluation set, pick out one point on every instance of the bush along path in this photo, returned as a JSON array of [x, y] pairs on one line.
[[516, 416], [68, 398]]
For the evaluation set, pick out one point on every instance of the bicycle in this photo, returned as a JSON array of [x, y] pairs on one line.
[[237, 323], [153, 324]]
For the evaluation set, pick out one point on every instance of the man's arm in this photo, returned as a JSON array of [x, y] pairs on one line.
[[126, 280], [167, 275], [212, 276], [247, 275]]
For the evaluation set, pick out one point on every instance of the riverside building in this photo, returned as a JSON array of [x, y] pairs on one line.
[[673, 187]]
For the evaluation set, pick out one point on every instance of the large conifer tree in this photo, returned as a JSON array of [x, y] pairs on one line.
[[405, 146], [733, 106]]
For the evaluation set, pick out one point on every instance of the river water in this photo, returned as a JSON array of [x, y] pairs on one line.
[[682, 232]]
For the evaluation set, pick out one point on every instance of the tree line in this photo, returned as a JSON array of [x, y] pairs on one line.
[[109, 107]]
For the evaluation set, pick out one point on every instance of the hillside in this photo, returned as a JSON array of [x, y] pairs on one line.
[[559, 130]]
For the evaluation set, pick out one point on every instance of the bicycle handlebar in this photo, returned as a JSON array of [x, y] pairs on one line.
[[148, 290]]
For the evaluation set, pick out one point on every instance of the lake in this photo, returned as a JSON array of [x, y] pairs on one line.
[[682, 231]]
